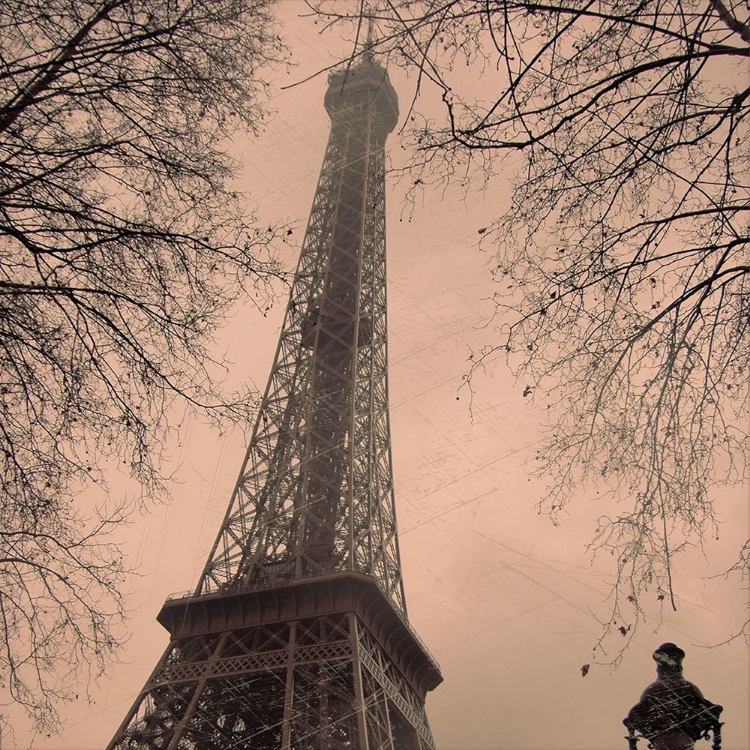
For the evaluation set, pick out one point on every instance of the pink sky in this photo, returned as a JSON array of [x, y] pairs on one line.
[[505, 600]]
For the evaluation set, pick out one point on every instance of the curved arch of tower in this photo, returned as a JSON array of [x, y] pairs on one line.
[[297, 636]]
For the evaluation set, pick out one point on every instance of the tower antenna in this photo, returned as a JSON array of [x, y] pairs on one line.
[[369, 40]]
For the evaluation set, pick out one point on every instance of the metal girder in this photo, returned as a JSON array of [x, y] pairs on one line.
[[315, 493]]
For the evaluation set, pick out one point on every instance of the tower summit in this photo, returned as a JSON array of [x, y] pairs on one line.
[[297, 637]]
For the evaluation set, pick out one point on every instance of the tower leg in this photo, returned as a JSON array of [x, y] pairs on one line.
[[317, 683]]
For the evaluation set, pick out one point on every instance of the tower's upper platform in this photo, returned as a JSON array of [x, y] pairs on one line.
[[364, 84]]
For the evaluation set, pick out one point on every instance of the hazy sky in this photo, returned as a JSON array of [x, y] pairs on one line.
[[506, 601]]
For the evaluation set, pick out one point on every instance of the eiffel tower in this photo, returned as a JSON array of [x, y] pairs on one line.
[[297, 637]]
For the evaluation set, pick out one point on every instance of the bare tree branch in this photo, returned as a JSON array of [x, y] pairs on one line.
[[122, 247]]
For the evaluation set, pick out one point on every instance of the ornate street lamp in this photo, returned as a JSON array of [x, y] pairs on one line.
[[672, 713]]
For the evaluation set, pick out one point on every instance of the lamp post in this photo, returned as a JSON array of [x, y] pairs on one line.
[[672, 713]]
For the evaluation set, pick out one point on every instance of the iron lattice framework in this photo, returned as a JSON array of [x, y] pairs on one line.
[[296, 636]]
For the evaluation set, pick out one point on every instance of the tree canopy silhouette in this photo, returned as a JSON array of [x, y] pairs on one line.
[[122, 246], [621, 267]]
